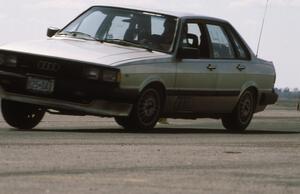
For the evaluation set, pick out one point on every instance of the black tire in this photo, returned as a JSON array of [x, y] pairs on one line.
[[20, 115], [146, 111], [240, 118], [123, 122]]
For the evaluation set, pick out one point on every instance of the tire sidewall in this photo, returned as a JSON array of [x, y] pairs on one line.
[[136, 117], [234, 122], [16, 114], [247, 95]]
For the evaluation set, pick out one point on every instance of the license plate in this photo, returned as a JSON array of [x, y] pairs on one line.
[[40, 85]]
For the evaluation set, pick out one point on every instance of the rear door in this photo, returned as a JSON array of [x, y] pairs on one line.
[[227, 56]]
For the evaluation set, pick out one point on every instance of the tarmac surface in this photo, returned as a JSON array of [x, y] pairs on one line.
[[79, 155]]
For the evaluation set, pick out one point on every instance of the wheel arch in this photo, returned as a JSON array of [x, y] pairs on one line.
[[157, 84], [139, 109], [152, 81], [252, 86]]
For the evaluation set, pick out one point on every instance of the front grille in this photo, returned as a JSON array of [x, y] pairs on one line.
[[48, 66], [70, 84], [65, 89]]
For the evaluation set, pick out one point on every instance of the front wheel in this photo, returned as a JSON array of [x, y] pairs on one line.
[[123, 122], [20, 115], [242, 115], [146, 110]]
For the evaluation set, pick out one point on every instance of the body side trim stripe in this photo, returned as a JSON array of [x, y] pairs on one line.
[[201, 93]]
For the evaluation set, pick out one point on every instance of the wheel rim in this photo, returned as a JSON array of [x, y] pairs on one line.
[[32, 114], [149, 107], [246, 108]]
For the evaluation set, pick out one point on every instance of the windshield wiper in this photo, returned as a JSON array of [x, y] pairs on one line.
[[78, 35], [127, 43]]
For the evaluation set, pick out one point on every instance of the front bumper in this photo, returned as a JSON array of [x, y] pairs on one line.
[[67, 89], [96, 107], [70, 95], [63, 86]]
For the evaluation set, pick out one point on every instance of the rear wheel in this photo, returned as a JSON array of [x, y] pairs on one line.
[[242, 115], [20, 115]]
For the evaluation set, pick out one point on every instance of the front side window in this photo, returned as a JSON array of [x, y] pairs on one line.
[[194, 42], [222, 49], [191, 35], [126, 27]]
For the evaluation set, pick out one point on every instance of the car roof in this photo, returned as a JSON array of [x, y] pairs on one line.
[[178, 14]]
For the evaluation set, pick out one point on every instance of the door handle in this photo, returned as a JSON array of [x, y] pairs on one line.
[[241, 67], [211, 67]]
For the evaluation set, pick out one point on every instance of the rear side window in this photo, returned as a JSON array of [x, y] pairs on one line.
[[241, 50], [222, 49]]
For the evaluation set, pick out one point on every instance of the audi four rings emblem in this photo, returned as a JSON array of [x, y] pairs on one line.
[[48, 66]]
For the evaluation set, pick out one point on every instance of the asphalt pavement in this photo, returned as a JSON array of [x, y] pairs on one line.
[[79, 155]]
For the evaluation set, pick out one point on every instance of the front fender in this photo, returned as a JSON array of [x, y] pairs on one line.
[[151, 79]]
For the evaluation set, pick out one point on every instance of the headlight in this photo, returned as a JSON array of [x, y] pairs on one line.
[[11, 61], [92, 73], [111, 76], [95, 73], [2, 59]]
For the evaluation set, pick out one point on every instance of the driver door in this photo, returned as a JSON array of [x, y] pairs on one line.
[[197, 75]]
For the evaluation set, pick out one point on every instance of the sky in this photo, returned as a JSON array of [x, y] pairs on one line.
[[29, 19]]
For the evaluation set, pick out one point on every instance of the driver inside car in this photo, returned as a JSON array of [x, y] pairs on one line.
[[164, 41]]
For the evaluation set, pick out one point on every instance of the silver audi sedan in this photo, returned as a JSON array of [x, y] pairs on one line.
[[136, 66]]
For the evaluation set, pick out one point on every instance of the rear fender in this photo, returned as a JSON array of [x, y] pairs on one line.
[[247, 85]]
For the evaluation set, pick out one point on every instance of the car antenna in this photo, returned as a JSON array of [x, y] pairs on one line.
[[262, 27]]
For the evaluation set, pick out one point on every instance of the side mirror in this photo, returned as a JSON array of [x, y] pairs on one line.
[[188, 53], [52, 31]]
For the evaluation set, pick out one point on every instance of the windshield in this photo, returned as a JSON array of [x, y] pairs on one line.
[[122, 26]]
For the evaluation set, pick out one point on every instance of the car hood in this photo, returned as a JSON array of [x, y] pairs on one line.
[[83, 50]]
